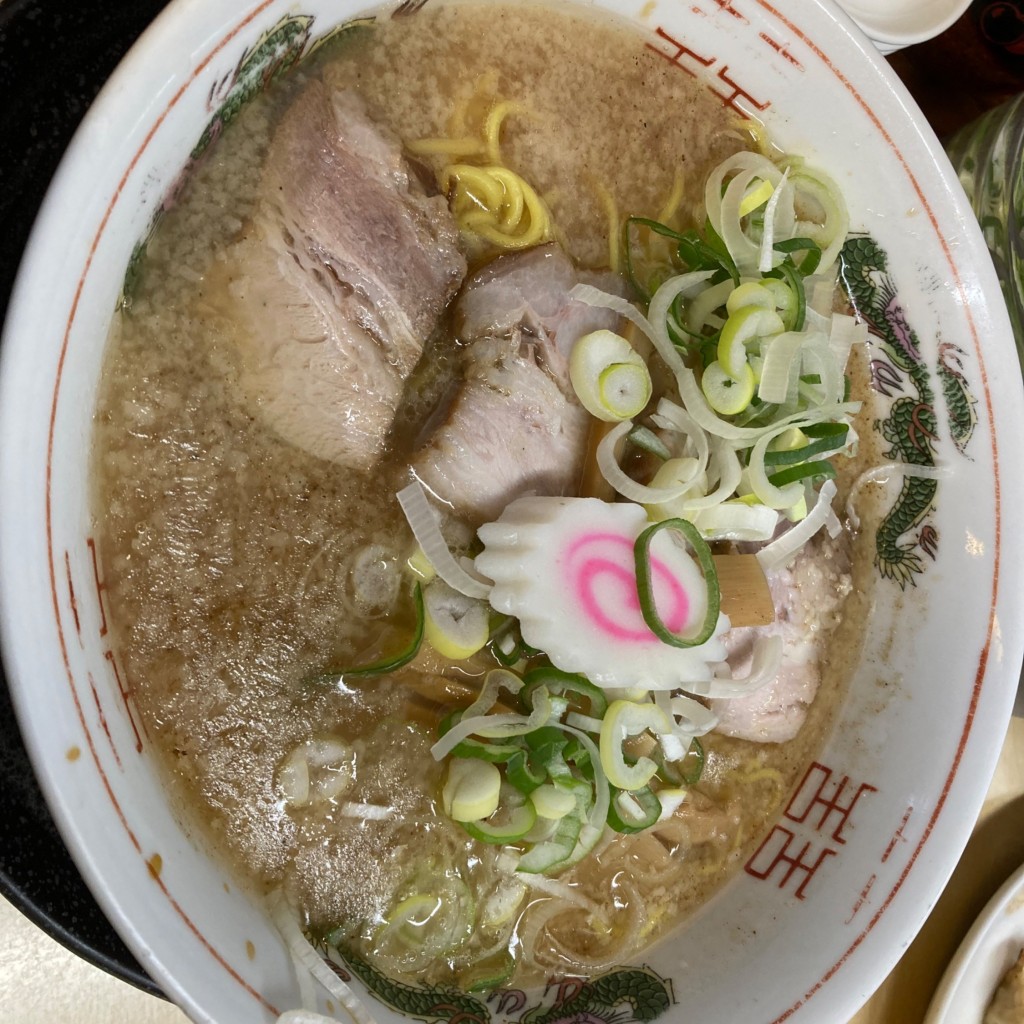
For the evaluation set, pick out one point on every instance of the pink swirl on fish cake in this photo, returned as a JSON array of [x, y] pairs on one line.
[[601, 576]]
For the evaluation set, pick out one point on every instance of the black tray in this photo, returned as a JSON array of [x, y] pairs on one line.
[[54, 57]]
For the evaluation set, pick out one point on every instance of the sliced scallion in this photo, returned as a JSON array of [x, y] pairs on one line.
[[488, 974], [648, 441], [471, 790], [455, 625], [389, 662], [822, 470], [742, 329], [504, 829], [645, 582], [553, 801], [624, 719], [827, 437], [522, 774], [750, 293], [609, 377], [689, 770], [568, 685], [555, 852], [480, 750], [725, 393], [631, 812], [811, 250], [787, 273]]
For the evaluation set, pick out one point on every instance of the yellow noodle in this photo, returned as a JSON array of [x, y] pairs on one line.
[[486, 84], [757, 132], [497, 205], [611, 212], [759, 774], [447, 147], [514, 203], [492, 127], [675, 197]]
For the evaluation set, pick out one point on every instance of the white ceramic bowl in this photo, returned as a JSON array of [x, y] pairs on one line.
[[821, 913], [893, 24]]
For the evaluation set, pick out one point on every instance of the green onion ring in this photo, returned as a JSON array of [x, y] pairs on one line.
[[822, 469], [657, 228], [567, 685], [389, 662], [650, 805], [645, 583], [810, 249], [791, 276], [522, 775], [824, 442], [827, 428], [692, 777], [646, 440]]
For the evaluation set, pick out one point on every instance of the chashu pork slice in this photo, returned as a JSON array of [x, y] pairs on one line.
[[808, 595], [514, 425], [339, 280]]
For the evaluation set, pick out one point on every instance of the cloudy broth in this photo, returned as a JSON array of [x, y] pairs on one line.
[[238, 567]]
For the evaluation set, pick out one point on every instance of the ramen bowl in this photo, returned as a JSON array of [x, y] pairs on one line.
[[842, 880]]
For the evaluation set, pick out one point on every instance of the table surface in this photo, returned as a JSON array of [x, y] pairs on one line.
[[41, 981], [994, 852]]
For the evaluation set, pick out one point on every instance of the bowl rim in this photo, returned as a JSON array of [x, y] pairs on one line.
[[1010, 637]]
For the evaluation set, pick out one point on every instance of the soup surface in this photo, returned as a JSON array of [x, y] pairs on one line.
[[240, 566]]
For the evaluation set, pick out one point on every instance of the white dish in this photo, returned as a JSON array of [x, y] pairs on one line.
[[838, 889], [893, 24], [988, 951]]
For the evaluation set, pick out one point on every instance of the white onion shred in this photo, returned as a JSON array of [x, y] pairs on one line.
[[766, 259], [881, 474], [832, 524], [689, 718], [307, 959], [845, 332], [550, 886], [723, 205], [625, 484], [367, 812], [820, 290], [533, 922], [425, 529], [764, 667], [491, 727], [476, 719], [733, 520], [780, 551], [780, 371], [729, 472], [591, 296], [657, 313]]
